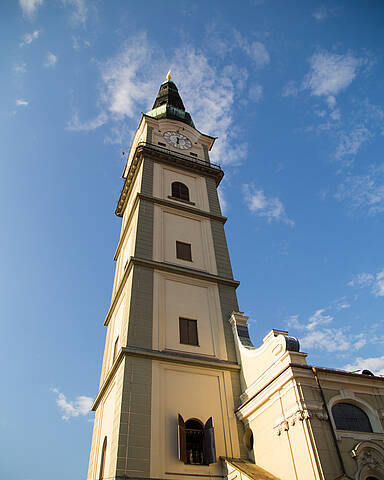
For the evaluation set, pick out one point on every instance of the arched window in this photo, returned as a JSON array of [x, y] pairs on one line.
[[179, 190], [196, 441], [102, 461], [350, 417]]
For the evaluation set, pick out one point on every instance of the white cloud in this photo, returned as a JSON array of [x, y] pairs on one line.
[[80, 406], [318, 318], [322, 12], [271, 208], [223, 201], [351, 142], [28, 38], [365, 192], [255, 92], [331, 73], [21, 103], [316, 333], [369, 280], [79, 10], [374, 364], [256, 50], [20, 68], [329, 339], [76, 125], [130, 81], [290, 90], [50, 60], [29, 7]]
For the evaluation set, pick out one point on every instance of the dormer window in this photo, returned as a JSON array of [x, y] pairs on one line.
[[180, 191]]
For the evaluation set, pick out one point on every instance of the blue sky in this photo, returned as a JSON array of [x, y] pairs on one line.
[[293, 90]]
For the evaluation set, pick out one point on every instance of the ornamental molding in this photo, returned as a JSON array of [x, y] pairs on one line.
[[370, 460], [299, 416]]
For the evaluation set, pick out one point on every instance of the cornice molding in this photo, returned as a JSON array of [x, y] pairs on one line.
[[181, 206], [167, 267], [163, 356], [164, 156]]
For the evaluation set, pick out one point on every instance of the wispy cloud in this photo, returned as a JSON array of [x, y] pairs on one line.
[[269, 207], [78, 126], [20, 68], [21, 103], [255, 92], [130, 81], [50, 60], [364, 192], [374, 364], [80, 406], [330, 74], [373, 281], [291, 89], [79, 10], [29, 7], [28, 38], [318, 334], [256, 50], [322, 12]]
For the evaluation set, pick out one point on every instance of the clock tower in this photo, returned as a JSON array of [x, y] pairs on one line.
[[170, 380]]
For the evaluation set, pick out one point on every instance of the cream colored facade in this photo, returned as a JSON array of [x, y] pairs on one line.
[[150, 375]]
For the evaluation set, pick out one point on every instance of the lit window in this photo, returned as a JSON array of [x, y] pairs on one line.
[[196, 441], [350, 417]]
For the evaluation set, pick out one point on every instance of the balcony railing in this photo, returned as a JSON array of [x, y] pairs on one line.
[[196, 161]]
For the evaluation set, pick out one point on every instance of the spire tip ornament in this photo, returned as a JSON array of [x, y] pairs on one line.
[[168, 77]]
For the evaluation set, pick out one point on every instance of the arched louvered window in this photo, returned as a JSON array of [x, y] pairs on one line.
[[196, 441], [102, 461], [349, 417], [179, 190]]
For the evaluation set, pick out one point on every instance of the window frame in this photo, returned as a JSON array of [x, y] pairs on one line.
[[338, 417], [208, 447], [180, 191], [188, 332], [182, 248]]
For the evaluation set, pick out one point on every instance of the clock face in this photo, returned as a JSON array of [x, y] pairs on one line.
[[178, 140]]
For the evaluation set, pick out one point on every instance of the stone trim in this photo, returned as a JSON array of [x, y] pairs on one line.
[[185, 208], [166, 203], [168, 157], [164, 356], [178, 270], [189, 272]]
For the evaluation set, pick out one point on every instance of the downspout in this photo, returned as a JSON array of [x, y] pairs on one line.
[[314, 370]]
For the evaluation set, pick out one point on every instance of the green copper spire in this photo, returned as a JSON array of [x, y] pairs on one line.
[[168, 104]]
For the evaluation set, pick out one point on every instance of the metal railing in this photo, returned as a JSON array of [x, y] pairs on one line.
[[191, 159]]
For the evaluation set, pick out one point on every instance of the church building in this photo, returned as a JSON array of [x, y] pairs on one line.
[[184, 394]]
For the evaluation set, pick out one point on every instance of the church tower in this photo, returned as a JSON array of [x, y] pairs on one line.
[[170, 381]]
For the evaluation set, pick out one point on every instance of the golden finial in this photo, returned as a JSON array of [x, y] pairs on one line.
[[169, 75]]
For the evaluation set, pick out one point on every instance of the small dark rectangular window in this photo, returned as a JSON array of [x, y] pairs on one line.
[[162, 144], [188, 331], [183, 251], [193, 154]]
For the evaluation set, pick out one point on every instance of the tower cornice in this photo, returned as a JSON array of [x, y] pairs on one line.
[[163, 155], [167, 267]]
